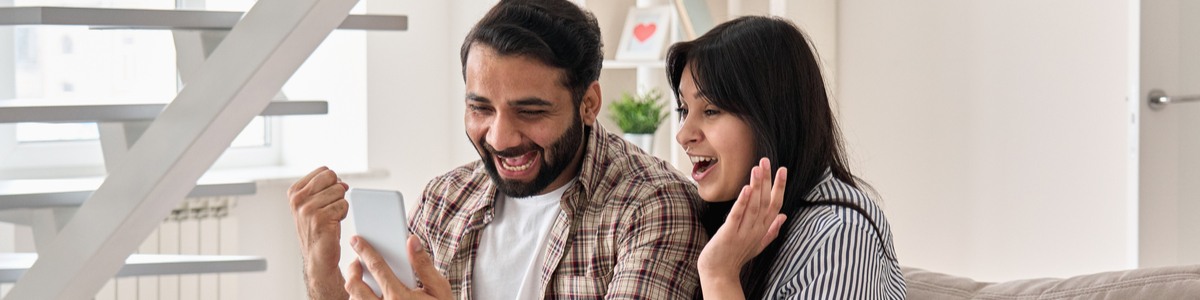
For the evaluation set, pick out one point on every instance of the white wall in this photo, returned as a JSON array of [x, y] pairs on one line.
[[818, 19], [997, 132]]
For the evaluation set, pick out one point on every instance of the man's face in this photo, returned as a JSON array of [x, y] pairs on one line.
[[522, 121]]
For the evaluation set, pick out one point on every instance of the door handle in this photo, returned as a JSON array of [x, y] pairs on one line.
[[1159, 99]]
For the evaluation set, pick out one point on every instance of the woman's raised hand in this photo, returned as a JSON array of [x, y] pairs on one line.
[[751, 225]]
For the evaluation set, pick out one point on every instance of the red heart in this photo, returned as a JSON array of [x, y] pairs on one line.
[[644, 31]]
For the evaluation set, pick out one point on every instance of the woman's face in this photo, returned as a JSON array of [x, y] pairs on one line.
[[720, 144]]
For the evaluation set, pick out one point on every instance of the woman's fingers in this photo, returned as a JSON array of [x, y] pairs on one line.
[[737, 213], [777, 189], [766, 201], [753, 209], [772, 231], [758, 204], [765, 183]]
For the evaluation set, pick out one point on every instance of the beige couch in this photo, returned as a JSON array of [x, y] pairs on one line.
[[1179, 282]]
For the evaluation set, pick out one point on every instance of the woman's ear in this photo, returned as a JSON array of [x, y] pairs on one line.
[[589, 108]]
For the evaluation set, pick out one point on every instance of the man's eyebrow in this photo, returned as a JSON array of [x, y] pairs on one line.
[[531, 101], [478, 98]]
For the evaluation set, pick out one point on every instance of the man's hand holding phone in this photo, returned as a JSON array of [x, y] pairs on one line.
[[435, 286], [391, 257]]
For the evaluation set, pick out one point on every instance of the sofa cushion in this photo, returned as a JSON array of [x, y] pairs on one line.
[[1177, 282]]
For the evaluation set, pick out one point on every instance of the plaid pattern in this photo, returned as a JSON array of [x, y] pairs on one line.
[[628, 228]]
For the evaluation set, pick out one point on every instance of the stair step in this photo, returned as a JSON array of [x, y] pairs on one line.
[[124, 18], [45, 193], [12, 265], [72, 111]]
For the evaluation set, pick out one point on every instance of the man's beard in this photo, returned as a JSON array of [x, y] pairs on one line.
[[560, 156]]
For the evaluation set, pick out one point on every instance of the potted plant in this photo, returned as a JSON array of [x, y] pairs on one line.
[[639, 116]]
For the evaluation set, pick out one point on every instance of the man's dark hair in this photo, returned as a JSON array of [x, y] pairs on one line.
[[555, 32]]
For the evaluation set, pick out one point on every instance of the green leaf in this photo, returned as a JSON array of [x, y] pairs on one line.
[[638, 114]]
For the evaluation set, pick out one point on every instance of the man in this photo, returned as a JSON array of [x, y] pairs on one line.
[[555, 207]]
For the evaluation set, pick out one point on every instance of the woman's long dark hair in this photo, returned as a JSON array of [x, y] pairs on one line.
[[763, 71]]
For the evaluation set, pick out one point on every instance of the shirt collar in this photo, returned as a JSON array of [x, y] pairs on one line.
[[595, 159]]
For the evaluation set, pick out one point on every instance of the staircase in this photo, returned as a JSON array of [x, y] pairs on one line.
[[156, 155]]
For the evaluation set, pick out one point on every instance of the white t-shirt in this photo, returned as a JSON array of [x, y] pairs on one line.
[[512, 247]]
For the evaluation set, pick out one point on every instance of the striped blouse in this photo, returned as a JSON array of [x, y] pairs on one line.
[[833, 252]]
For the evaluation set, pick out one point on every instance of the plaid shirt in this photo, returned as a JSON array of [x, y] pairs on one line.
[[628, 227]]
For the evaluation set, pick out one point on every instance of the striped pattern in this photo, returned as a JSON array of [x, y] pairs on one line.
[[833, 252], [629, 227]]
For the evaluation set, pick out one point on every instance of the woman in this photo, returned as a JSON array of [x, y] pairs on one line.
[[750, 92]]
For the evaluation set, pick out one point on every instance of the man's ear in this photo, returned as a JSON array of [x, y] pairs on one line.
[[589, 109]]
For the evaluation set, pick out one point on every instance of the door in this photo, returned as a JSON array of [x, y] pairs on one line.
[[1169, 136]]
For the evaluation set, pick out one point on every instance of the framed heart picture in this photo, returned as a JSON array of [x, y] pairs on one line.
[[645, 34]]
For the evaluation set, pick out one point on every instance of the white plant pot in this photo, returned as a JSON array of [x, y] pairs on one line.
[[642, 140]]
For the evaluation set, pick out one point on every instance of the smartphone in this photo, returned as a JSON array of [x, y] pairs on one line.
[[380, 219]]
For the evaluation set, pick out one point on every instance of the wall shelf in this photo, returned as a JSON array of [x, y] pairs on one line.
[[120, 18]]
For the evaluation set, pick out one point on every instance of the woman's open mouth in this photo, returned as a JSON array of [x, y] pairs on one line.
[[702, 165]]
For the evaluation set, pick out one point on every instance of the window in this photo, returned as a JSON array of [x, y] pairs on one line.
[[78, 64], [42, 132], [67, 45], [138, 66]]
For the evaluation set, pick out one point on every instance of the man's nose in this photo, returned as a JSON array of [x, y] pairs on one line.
[[504, 134]]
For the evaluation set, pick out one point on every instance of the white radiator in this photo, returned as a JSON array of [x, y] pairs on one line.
[[198, 226]]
